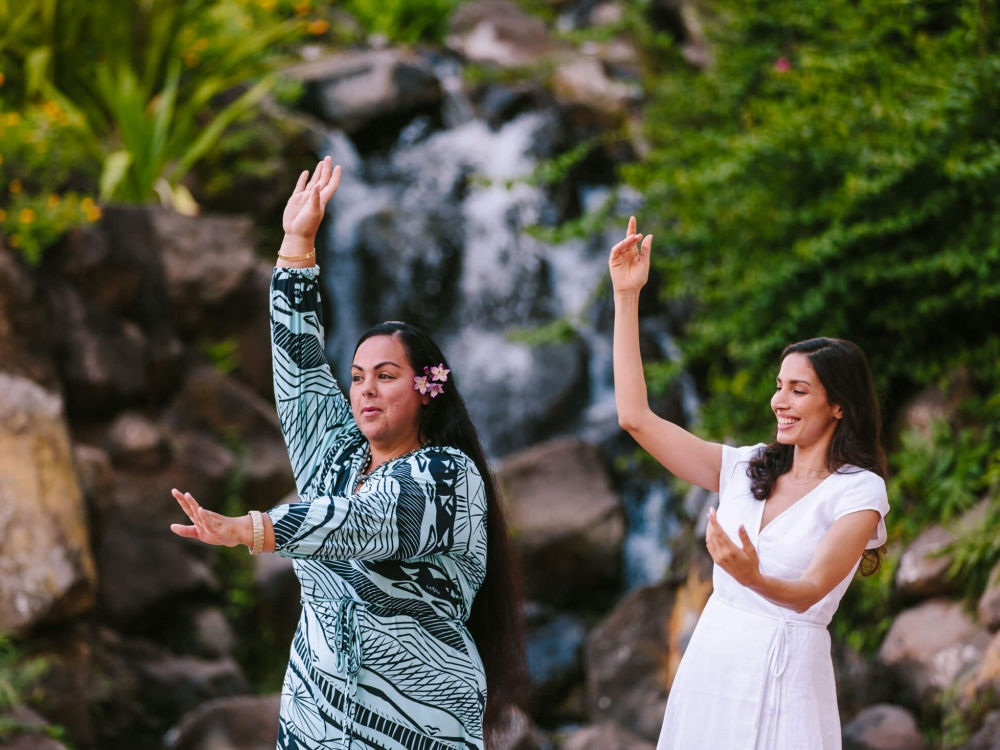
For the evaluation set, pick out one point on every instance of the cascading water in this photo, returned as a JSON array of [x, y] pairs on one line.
[[435, 232]]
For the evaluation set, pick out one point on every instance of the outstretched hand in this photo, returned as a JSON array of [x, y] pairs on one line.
[[629, 261], [209, 527], [742, 564], [305, 208]]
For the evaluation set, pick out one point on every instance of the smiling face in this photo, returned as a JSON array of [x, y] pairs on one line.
[[805, 417], [383, 401]]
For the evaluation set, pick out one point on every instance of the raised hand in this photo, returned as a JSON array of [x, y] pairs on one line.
[[629, 261], [305, 208], [210, 527]]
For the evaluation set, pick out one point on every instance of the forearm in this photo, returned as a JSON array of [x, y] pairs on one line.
[[295, 245], [631, 397], [797, 595]]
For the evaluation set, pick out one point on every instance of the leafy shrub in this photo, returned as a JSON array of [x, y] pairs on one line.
[[48, 177], [835, 172]]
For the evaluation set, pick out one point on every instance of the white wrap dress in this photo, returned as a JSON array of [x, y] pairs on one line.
[[756, 676]]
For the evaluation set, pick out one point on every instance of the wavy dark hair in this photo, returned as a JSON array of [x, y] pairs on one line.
[[496, 621], [843, 370]]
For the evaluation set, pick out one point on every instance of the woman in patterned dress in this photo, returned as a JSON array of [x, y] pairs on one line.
[[410, 636]]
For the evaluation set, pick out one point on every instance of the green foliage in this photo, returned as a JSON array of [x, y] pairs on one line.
[[835, 172], [151, 83], [559, 331], [18, 674], [866, 612], [45, 168], [404, 20]]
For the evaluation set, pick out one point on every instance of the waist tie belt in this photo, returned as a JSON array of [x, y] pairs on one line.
[[774, 666], [347, 643]]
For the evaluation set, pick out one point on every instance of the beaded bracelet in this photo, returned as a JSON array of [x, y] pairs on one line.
[[258, 532]]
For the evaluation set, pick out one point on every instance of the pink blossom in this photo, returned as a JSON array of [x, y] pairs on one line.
[[439, 373], [421, 384], [434, 389], [782, 65]]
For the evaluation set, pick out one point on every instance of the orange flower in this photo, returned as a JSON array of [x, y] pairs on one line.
[[93, 213], [319, 26], [3, 216], [53, 201], [15, 186], [27, 216], [87, 203], [12, 119], [302, 9], [2, 79], [52, 109]]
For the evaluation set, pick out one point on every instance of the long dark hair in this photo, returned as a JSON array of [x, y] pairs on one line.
[[843, 370], [496, 619]]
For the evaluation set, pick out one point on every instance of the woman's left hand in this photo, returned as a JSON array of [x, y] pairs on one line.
[[209, 527], [742, 564]]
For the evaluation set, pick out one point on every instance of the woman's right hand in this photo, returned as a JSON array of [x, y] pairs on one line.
[[629, 261], [304, 210]]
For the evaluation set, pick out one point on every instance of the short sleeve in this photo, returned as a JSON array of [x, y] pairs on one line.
[[866, 492], [734, 467]]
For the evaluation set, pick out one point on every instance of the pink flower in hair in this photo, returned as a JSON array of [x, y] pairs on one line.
[[434, 389], [421, 384], [439, 373]]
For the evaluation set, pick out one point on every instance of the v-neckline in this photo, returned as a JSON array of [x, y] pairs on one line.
[[760, 517]]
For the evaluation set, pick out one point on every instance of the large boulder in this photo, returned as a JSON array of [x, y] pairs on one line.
[[498, 32], [627, 662], [172, 685], [861, 682], [884, 727], [554, 646], [605, 736], [982, 685], [566, 521], [357, 88], [241, 723], [46, 567], [922, 570], [931, 646]]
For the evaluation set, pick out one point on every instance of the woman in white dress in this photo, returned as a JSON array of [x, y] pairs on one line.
[[796, 518]]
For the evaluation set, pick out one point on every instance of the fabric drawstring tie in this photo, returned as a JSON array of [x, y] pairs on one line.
[[347, 639]]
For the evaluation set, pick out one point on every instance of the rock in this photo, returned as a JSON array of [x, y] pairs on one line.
[[606, 14], [102, 358], [278, 593], [499, 104], [499, 32], [357, 88], [93, 468], [860, 682], [208, 262], [988, 737], [627, 661], [929, 647], [884, 727], [982, 685], [47, 571], [554, 644], [521, 733], [29, 731], [922, 571], [243, 723], [605, 736], [410, 266], [583, 81], [934, 404], [989, 603], [25, 339], [213, 634], [135, 441], [146, 570], [175, 685], [566, 521]]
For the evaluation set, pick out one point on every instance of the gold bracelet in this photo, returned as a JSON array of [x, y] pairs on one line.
[[258, 532], [298, 257]]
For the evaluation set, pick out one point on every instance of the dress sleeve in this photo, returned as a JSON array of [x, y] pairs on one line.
[[867, 492], [734, 467], [431, 503], [311, 408]]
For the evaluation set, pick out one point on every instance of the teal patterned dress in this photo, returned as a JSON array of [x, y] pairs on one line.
[[382, 657]]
